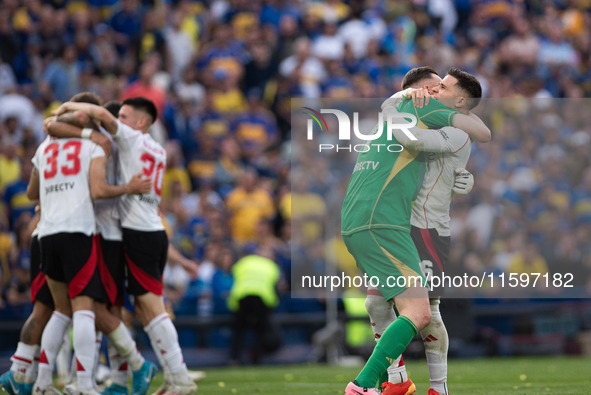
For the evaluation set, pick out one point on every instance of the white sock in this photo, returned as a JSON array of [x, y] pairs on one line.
[[51, 341], [397, 371], [97, 353], [22, 360], [64, 359], [164, 339], [436, 344], [161, 361], [381, 315], [118, 366], [31, 374], [84, 348], [122, 341], [73, 366]]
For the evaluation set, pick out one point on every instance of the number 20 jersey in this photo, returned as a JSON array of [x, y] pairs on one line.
[[139, 152], [64, 192]]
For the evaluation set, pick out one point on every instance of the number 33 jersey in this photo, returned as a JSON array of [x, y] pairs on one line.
[[139, 152], [64, 193]]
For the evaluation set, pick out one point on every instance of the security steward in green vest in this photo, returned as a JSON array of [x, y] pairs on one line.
[[252, 298]]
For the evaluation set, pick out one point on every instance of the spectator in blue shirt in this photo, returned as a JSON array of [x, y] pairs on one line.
[[127, 23], [15, 197]]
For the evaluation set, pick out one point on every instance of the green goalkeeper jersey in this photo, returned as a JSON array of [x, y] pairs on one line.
[[384, 184]]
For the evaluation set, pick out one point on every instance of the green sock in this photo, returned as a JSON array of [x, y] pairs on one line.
[[384, 377], [392, 343]]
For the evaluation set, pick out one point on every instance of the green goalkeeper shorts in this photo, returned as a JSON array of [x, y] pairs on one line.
[[388, 257]]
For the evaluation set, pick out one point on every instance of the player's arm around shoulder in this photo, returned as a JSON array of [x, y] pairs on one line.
[[56, 128], [101, 114], [100, 189], [447, 139], [473, 125]]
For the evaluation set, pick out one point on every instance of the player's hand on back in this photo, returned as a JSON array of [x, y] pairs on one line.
[[101, 140], [139, 184], [420, 97], [463, 182]]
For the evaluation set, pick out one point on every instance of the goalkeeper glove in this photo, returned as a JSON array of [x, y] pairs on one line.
[[463, 182]]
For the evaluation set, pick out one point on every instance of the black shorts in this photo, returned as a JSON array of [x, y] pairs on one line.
[[112, 270], [72, 258], [433, 251], [39, 288], [145, 254]]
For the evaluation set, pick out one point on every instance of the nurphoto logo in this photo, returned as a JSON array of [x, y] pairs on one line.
[[394, 120]]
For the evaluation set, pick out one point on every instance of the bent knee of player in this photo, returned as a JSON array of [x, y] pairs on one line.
[[417, 310], [424, 318], [65, 309], [82, 302], [148, 306], [106, 322], [59, 293], [423, 314], [41, 312]]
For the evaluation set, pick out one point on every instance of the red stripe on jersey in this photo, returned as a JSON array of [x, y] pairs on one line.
[[123, 367], [36, 285], [106, 278], [431, 247], [468, 139], [79, 366], [83, 277], [149, 283], [401, 363]]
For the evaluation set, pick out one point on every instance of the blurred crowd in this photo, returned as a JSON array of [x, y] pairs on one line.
[[222, 72], [530, 209]]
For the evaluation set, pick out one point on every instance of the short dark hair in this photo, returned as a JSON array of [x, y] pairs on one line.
[[417, 74], [142, 104], [113, 107], [87, 97], [469, 84]]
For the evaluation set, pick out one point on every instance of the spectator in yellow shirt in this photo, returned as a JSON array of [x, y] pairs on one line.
[[308, 210], [248, 204], [175, 170], [529, 261]]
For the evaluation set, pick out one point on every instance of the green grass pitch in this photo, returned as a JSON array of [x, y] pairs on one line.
[[494, 376]]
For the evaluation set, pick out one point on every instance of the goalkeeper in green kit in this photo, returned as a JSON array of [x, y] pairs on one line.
[[376, 217]]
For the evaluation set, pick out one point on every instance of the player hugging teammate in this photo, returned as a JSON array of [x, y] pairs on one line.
[[88, 246], [403, 206]]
